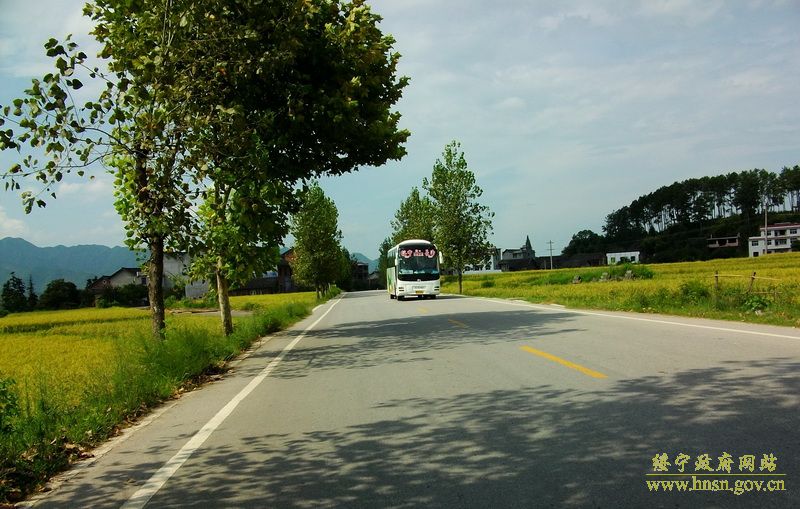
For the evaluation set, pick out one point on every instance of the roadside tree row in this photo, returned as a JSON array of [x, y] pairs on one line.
[[213, 116]]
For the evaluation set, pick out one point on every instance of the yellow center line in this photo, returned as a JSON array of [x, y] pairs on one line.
[[586, 371], [424, 311], [456, 322]]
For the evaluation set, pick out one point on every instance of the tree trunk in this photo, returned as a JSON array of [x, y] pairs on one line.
[[224, 300], [155, 288], [460, 278]]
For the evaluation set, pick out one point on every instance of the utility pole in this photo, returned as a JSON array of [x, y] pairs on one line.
[[551, 253], [766, 249]]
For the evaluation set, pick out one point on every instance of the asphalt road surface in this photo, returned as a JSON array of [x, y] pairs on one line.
[[464, 402]]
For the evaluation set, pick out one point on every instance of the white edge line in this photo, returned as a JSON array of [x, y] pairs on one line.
[[157, 481], [667, 322]]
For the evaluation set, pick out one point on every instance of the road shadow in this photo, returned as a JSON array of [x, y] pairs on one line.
[[535, 447], [368, 343]]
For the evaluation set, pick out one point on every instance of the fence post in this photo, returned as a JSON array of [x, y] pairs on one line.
[[716, 280], [752, 281]]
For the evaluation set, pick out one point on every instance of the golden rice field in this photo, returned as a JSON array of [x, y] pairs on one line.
[[72, 377], [72, 350], [688, 289], [68, 351], [275, 299]]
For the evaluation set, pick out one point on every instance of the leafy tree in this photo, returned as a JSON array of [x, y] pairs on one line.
[[790, 179], [414, 219], [238, 238], [309, 86], [140, 121], [13, 295], [462, 225], [317, 261], [383, 260], [60, 294], [131, 294], [746, 195], [308, 92], [585, 241], [33, 299], [344, 280]]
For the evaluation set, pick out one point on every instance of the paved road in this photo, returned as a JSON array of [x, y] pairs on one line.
[[461, 402]]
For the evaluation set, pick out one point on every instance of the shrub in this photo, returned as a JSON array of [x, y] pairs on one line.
[[60, 294], [251, 306], [9, 405], [756, 303], [694, 292]]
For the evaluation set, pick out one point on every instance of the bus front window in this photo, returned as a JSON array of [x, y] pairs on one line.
[[418, 263]]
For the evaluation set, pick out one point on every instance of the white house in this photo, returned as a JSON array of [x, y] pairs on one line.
[[779, 238], [622, 257]]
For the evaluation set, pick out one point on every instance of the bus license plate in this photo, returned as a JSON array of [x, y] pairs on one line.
[[419, 289]]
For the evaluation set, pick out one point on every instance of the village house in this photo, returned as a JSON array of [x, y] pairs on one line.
[[779, 238]]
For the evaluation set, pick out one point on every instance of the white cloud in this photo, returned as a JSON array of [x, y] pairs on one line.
[[99, 188], [591, 14], [689, 12], [756, 81], [11, 227], [512, 103], [25, 28]]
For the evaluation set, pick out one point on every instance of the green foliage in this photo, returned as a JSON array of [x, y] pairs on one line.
[[585, 241], [414, 219], [673, 222], [9, 405], [131, 294], [42, 434], [688, 289], [276, 93], [756, 303], [13, 295], [383, 261], [33, 299], [694, 292], [317, 251], [60, 294], [347, 265], [461, 225]]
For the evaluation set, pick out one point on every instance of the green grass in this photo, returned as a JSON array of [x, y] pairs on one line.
[[69, 379], [686, 289]]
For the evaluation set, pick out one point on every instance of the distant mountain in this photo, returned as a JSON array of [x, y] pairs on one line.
[[373, 264], [75, 263]]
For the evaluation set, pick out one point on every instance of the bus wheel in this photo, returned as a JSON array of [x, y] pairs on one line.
[[400, 297]]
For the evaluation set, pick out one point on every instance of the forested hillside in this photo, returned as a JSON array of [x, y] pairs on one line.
[[74, 263], [674, 222]]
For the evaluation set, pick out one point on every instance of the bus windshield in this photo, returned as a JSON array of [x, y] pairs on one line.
[[417, 263]]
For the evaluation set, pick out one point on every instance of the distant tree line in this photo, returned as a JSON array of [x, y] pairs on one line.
[[672, 221], [17, 297]]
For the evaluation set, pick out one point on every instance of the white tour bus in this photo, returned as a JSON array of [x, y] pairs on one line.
[[413, 270]]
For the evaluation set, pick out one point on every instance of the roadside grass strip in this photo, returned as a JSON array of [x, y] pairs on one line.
[[70, 379], [715, 289]]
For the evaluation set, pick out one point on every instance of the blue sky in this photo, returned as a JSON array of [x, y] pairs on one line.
[[565, 110]]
